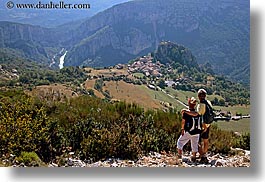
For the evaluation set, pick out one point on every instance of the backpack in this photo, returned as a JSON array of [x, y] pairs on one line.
[[209, 115], [193, 125]]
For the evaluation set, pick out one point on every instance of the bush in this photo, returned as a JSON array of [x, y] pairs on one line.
[[243, 141], [24, 127], [30, 159], [94, 129], [220, 141]]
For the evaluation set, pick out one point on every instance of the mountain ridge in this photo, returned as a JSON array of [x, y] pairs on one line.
[[135, 26], [216, 32]]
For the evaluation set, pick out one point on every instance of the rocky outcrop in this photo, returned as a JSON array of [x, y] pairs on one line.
[[153, 159], [170, 53], [8, 75], [240, 158]]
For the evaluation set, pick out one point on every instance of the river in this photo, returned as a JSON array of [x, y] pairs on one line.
[[62, 60]]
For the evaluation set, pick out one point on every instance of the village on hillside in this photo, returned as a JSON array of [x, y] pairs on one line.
[[145, 71], [154, 71]]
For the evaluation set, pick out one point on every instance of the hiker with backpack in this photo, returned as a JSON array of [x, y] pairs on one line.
[[191, 127], [205, 111]]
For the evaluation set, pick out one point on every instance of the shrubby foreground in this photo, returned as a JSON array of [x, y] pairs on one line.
[[44, 131]]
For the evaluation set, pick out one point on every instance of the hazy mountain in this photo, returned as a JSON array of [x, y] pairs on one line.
[[53, 17], [215, 31], [26, 39]]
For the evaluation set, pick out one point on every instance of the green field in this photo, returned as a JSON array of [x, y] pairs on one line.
[[138, 75], [244, 110], [184, 95], [161, 96], [241, 126]]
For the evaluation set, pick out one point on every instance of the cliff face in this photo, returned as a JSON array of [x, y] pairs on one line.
[[131, 28], [109, 46], [13, 32], [27, 39], [214, 30]]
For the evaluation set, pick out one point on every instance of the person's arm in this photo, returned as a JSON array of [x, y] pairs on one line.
[[182, 126], [209, 102], [191, 113], [204, 126], [201, 108]]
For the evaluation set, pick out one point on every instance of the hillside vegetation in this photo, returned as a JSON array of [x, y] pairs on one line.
[[92, 128]]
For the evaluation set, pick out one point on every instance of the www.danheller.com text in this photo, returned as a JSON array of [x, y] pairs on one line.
[[50, 5]]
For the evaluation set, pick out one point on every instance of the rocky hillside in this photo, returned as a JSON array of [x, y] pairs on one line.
[[29, 41], [154, 159], [171, 53]]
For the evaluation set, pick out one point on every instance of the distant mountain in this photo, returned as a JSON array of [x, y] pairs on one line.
[[53, 17], [216, 31], [34, 42], [38, 33]]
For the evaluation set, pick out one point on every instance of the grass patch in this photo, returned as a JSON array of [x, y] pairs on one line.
[[244, 110], [241, 126], [138, 75], [131, 94], [161, 96], [181, 95], [184, 95]]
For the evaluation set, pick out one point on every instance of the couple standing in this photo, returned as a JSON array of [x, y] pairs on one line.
[[194, 129]]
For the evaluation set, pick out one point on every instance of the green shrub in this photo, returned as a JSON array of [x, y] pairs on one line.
[[220, 141], [94, 129], [30, 159], [24, 127], [242, 141]]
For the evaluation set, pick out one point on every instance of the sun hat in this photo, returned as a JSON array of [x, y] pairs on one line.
[[192, 100], [202, 91]]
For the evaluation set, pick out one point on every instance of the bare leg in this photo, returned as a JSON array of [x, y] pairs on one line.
[[206, 145], [179, 152], [201, 149]]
